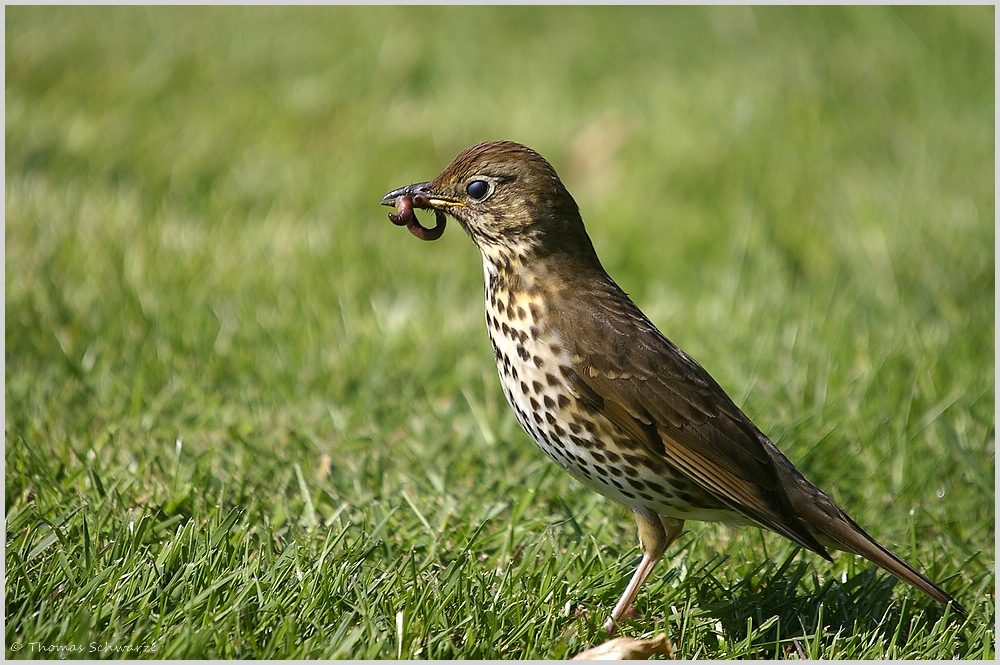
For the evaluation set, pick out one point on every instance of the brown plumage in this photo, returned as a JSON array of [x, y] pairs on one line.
[[602, 391]]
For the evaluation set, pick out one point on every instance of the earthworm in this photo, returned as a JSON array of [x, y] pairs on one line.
[[405, 215], [404, 211]]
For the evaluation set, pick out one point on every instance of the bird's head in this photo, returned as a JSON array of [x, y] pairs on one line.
[[506, 197]]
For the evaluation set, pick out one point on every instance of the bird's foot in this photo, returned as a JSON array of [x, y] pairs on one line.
[[611, 625]]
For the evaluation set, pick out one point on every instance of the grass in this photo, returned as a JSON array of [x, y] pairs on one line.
[[246, 417]]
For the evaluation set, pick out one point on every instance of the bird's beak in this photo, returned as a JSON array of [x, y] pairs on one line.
[[420, 193], [421, 188]]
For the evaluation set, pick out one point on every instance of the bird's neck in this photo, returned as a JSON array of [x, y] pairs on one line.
[[535, 273], [507, 270], [517, 302]]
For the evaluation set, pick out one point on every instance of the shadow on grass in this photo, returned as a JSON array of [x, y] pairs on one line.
[[774, 610]]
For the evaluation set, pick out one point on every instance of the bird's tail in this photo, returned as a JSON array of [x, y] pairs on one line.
[[841, 532]]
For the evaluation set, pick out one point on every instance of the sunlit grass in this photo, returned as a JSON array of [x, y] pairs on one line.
[[246, 417]]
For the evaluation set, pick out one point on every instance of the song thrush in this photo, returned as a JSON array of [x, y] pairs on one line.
[[601, 390]]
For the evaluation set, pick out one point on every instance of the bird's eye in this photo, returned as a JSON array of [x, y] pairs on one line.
[[478, 189]]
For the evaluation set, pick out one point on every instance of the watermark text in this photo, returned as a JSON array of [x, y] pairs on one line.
[[107, 648]]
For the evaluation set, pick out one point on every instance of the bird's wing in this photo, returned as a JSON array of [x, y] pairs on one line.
[[652, 390]]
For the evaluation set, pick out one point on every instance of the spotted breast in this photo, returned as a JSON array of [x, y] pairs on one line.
[[533, 362]]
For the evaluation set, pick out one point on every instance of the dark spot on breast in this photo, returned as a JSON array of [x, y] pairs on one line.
[[656, 487], [696, 500], [635, 460], [628, 443]]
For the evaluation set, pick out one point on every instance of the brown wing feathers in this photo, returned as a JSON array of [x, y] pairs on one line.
[[665, 400]]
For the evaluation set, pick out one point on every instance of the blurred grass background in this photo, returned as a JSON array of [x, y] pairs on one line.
[[248, 417]]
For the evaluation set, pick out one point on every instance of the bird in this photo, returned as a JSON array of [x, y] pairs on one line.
[[602, 391]]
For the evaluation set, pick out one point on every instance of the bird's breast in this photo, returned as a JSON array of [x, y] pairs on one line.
[[531, 356], [533, 361]]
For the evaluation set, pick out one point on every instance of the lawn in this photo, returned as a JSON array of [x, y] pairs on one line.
[[247, 417]]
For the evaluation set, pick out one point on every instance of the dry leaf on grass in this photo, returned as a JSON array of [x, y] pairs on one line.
[[629, 648]]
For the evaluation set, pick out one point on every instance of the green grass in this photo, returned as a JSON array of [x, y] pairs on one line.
[[247, 417]]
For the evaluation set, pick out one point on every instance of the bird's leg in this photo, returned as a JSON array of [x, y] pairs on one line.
[[655, 535]]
